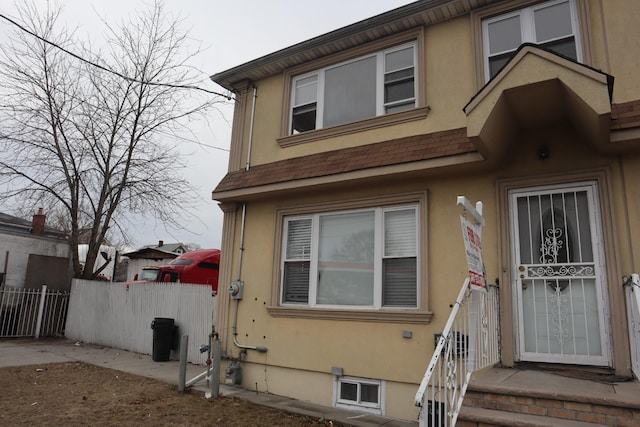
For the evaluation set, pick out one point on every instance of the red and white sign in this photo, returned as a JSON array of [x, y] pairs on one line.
[[473, 247]]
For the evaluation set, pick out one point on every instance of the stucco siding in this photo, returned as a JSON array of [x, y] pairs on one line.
[[544, 122]]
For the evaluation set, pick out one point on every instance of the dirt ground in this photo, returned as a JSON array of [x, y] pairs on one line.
[[78, 394]]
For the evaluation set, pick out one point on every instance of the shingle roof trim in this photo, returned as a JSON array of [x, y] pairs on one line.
[[398, 151]]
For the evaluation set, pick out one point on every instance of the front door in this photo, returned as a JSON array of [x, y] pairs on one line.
[[559, 277]]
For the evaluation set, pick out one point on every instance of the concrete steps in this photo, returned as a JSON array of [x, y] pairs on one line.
[[515, 398], [474, 417]]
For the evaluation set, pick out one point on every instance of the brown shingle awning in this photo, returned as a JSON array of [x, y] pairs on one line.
[[332, 163]]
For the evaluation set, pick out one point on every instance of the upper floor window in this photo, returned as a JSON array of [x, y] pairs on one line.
[[360, 258], [373, 85], [552, 25]]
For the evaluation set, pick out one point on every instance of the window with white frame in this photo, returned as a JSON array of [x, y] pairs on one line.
[[373, 85], [551, 24], [365, 394], [365, 258]]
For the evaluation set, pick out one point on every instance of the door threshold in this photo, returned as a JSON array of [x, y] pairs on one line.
[[581, 372]]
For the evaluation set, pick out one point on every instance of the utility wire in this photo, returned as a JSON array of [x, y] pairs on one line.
[[193, 141], [103, 68]]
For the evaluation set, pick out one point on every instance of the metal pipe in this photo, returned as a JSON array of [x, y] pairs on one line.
[[217, 356], [182, 371], [234, 328], [241, 249], [253, 113], [235, 335]]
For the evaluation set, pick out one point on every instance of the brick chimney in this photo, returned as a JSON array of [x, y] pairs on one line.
[[160, 243], [38, 223]]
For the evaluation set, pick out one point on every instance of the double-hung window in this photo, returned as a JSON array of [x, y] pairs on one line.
[[365, 258], [373, 85], [552, 25]]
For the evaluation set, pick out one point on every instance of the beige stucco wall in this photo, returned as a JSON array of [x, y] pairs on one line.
[[303, 351], [621, 44], [450, 78], [445, 45]]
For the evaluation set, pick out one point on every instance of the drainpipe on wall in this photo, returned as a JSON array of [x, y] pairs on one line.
[[233, 292], [253, 114]]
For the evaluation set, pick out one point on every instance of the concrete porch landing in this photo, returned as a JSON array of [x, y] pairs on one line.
[[552, 386]]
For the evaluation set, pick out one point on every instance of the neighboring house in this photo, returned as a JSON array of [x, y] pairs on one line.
[[152, 255], [176, 248], [348, 151], [32, 254]]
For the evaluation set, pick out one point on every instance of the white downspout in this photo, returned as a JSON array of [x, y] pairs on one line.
[[253, 114]]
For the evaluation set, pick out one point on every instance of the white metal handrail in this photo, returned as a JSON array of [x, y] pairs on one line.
[[632, 288], [470, 341]]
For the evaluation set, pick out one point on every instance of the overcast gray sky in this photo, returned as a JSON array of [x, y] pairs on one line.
[[230, 32]]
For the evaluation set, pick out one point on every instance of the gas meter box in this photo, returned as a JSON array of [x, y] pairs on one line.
[[233, 374]]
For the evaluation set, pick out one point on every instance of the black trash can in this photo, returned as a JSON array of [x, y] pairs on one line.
[[163, 328]]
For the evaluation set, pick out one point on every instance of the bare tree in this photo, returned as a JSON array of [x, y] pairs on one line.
[[91, 135]]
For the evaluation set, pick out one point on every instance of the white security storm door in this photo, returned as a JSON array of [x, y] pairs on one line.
[[559, 277]]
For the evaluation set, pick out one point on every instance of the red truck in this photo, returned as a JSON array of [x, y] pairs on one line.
[[200, 267]]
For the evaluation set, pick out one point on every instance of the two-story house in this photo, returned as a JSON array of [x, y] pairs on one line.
[[341, 234]]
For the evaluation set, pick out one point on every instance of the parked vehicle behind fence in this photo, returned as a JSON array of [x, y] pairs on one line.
[[199, 267]]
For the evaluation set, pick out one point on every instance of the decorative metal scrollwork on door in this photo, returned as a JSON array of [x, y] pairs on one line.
[[555, 244]]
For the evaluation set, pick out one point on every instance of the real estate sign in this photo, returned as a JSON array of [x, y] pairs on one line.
[[471, 233]]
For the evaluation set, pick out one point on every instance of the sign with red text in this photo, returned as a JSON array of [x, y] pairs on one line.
[[473, 247]]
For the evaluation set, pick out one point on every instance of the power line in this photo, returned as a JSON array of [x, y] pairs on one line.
[[103, 68], [193, 141]]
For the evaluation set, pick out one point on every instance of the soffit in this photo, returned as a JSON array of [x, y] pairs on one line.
[[539, 88], [420, 13]]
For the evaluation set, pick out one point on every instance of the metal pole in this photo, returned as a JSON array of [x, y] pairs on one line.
[[217, 356], [182, 372]]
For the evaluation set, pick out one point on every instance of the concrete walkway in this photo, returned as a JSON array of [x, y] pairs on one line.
[[22, 352]]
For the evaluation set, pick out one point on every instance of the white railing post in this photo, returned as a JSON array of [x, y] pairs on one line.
[[43, 297]]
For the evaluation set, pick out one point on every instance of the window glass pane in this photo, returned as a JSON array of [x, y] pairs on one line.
[[369, 393], [583, 225], [304, 118], [399, 282], [399, 59], [306, 90], [345, 264], [398, 86], [295, 282], [497, 62], [565, 47], [553, 22], [349, 391], [350, 92], [299, 239], [504, 35], [400, 107], [400, 233]]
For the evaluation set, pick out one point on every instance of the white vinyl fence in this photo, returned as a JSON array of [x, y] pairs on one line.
[[118, 315]]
